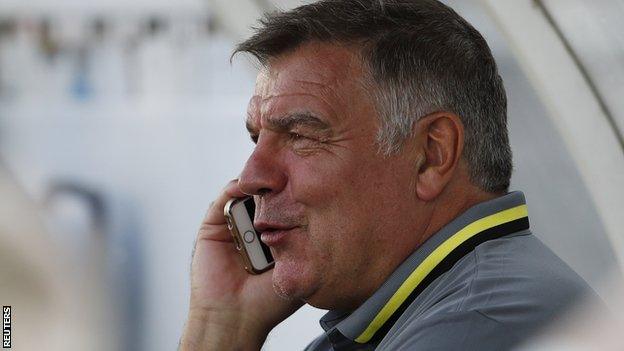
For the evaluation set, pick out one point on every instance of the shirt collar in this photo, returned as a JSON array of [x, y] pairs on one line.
[[366, 320]]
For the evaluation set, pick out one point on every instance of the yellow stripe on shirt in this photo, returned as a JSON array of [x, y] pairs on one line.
[[429, 263]]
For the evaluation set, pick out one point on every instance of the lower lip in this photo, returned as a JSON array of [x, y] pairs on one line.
[[274, 238]]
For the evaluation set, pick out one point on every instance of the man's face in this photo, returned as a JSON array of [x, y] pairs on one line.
[[338, 215]]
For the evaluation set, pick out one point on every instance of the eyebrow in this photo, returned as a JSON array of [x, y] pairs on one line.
[[288, 122]]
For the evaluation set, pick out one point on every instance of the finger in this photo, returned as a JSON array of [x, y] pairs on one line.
[[214, 215], [213, 226]]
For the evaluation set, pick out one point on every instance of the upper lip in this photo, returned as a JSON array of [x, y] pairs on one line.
[[263, 226]]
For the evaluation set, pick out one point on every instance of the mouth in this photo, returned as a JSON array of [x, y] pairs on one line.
[[273, 234], [274, 237]]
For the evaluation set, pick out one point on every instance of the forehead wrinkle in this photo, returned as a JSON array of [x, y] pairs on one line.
[[319, 84], [324, 87], [331, 84], [326, 90]]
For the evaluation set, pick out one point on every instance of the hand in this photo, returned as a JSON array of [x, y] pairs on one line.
[[230, 308]]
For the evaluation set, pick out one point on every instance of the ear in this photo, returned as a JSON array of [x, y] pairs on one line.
[[441, 137]]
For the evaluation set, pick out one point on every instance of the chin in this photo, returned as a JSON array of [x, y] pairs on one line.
[[291, 281]]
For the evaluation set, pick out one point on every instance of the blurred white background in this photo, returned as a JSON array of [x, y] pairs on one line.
[[120, 122]]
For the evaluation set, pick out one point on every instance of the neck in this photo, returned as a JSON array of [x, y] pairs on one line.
[[454, 202]]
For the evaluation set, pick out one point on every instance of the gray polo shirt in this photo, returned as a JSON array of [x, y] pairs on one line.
[[483, 282]]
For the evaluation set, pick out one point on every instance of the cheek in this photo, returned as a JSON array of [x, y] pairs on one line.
[[331, 197], [338, 194], [341, 198], [324, 180], [313, 182]]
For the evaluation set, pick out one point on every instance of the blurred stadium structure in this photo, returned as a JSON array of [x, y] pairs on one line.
[[120, 122]]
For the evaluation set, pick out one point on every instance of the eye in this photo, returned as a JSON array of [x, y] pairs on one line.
[[254, 138], [295, 136]]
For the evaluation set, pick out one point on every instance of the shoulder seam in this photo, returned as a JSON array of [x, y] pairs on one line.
[[474, 277]]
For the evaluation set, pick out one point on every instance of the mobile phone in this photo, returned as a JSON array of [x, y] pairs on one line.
[[239, 214]]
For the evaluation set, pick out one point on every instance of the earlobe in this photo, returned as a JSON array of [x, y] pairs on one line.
[[441, 136], [426, 187], [423, 189]]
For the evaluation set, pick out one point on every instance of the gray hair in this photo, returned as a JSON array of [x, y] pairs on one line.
[[422, 58]]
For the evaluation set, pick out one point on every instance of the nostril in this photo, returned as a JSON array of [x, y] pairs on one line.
[[262, 174]]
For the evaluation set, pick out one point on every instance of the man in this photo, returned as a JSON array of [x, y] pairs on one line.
[[380, 175]]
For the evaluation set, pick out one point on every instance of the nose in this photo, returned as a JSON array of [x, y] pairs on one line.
[[263, 173]]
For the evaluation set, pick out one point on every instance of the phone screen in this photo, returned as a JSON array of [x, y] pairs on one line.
[[250, 206]]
